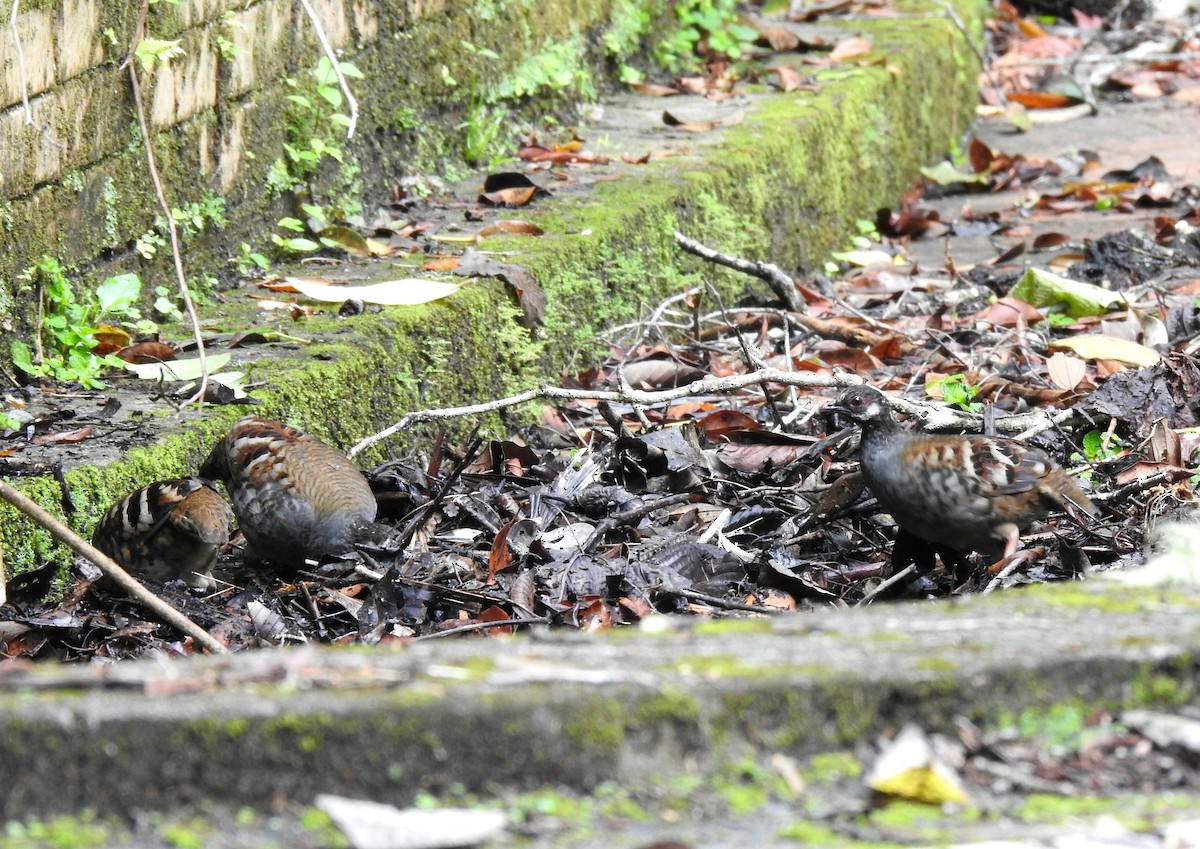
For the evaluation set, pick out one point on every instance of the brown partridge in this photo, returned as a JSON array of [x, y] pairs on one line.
[[295, 497], [166, 531], [967, 493]]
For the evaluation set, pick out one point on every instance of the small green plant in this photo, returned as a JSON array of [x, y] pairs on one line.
[[314, 122], [68, 326], [151, 52], [956, 392], [1100, 445], [482, 132], [249, 262], [704, 23]]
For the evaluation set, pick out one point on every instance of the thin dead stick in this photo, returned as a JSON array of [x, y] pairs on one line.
[[165, 208], [781, 284], [351, 103], [933, 418], [883, 586], [16, 38], [120, 577]]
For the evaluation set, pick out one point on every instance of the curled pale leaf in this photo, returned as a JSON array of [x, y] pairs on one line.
[[187, 369], [392, 293]]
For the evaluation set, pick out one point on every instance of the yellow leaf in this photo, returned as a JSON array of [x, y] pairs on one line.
[[1094, 346]]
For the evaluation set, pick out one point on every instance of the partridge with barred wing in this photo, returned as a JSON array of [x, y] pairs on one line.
[[166, 531], [968, 493], [295, 497]]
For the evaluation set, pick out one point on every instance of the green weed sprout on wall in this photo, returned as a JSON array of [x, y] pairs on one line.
[[67, 335], [710, 23], [314, 124]]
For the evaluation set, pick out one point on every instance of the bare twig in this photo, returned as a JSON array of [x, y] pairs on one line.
[[351, 103], [165, 208], [119, 576], [722, 603], [903, 575], [16, 39], [479, 626], [932, 417], [781, 284]]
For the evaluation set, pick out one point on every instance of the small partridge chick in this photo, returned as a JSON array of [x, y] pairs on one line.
[[968, 493], [166, 531], [295, 497]]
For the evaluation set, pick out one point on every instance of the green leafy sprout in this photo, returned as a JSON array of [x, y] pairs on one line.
[[68, 325], [956, 392]]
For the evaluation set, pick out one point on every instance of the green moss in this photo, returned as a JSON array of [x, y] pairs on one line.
[[935, 664], [596, 725], [809, 834], [1045, 808], [830, 768], [65, 832], [733, 626]]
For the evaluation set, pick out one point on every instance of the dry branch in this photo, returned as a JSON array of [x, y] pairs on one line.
[[109, 567], [781, 284]]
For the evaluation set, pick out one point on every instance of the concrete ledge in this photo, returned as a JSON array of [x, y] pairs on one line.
[[573, 710]]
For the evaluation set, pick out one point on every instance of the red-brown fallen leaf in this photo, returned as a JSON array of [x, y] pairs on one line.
[[778, 600], [537, 153], [1065, 372], [720, 424], [653, 89], [1041, 99], [1107, 368], [63, 437], [594, 616], [1191, 289], [980, 156], [1144, 469], [789, 77], [640, 608], [499, 558], [1050, 240], [511, 226], [445, 263], [854, 359], [636, 160], [495, 613], [299, 311], [850, 48], [516, 196], [147, 352], [755, 457], [661, 373], [1007, 312]]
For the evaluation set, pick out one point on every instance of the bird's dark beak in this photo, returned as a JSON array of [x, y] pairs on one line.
[[837, 416]]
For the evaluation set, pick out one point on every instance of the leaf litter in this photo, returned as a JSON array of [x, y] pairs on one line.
[[606, 513]]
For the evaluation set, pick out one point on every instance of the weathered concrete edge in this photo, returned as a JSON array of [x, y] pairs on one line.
[[573, 710], [785, 185]]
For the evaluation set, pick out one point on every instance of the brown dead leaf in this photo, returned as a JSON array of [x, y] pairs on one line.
[[509, 197], [636, 160], [720, 424], [703, 126], [495, 613], [147, 352], [510, 226], [789, 77], [499, 557], [65, 437], [445, 263], [850, 48], [1050, 240], [1041, 99], [647, 89], [779, 38], [1008, 312], [111, 339]]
